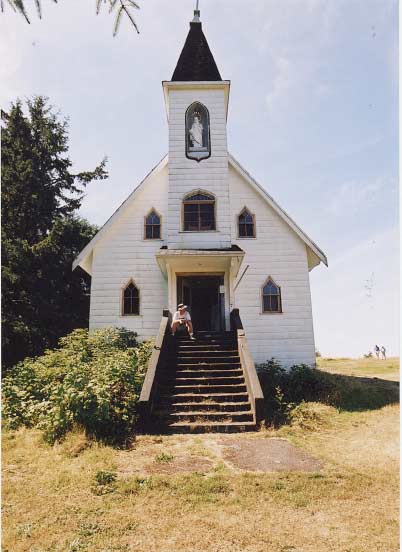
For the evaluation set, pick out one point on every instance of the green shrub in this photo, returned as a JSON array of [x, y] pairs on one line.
[[287, 392], [283, 390], [105, 477], [272, 377], [91, 380], [164, 458]]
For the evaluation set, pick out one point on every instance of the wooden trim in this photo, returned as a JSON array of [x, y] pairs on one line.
[[160, 224], [254, 184], [122, 313], [254, 390], [80, 259], [184, 202], [186, 141], [263, 311], [254, 236], [149, 386]]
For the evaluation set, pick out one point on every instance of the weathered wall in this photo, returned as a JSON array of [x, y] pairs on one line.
[[277, 252], [209, 174], [123, 254]]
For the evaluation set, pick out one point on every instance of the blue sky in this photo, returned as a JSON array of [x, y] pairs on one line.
[[312, 116]]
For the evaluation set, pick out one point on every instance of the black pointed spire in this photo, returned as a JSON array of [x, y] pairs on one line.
[[196, 62]]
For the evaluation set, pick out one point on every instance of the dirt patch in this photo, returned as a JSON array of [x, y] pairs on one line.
[[267, 455], [184, 464]]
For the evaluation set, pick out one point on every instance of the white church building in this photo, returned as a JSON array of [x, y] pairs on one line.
[[200, 230]]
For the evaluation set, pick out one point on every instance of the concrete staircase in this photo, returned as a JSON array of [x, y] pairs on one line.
[[202, 386]]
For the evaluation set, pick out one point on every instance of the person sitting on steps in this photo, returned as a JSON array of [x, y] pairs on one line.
[[182, 317]]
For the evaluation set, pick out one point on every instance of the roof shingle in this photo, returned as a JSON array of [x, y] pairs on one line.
[[196, 62]]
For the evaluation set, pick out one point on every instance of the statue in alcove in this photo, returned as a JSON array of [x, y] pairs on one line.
[[196, 131]]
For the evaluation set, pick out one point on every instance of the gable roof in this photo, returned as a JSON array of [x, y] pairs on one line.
[[196, 62], [315, 255], [84, 258], [320, 255]]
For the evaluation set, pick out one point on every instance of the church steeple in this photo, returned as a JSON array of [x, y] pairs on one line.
[[196, 62]]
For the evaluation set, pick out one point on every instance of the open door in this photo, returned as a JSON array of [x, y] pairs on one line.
[[202, 294]]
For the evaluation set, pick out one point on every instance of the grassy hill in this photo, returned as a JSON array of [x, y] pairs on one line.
[[185, 493]]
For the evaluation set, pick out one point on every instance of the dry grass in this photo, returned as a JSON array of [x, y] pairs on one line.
[[367, 367], [52, 503]]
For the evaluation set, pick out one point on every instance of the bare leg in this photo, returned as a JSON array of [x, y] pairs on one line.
[[190, 330], [174, 327]]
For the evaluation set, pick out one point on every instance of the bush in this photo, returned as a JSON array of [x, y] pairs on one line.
[[283, 390], [92, 381], [311, 415], [272, 378]]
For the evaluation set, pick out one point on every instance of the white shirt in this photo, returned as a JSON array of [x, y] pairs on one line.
[[177, 316]]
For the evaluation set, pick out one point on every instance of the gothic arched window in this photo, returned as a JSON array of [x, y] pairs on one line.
[[152, 226], [198, 141], [246, 224], [271, 297], [131, 299], [199, 212]]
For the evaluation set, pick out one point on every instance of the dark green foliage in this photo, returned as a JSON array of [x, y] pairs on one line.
[[91, 381], [284, 390], [42, 298], [105, 477]]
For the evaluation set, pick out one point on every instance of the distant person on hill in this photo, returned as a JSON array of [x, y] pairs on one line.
[[383, 353], [377, 351]]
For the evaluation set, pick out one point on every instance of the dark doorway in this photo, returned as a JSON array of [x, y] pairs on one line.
[[205, 302]]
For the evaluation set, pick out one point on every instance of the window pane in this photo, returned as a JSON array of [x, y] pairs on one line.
[[135, 306], [156, 232], [242, 231], [207, 216], [199, 216], [131, 300], [152, 218], [271, 303], [148, 232], [250, 230], [266, 303], [270, 289], [245, 216], [274, 303], [127, 306], [200, 197]]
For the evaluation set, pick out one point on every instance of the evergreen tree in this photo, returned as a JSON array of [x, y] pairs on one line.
[[41, 298]]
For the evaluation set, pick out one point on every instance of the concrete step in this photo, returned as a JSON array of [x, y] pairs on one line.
[[205, 406], [202, 359], [203, 417], [178, 341], [210, 398], [204, 389], [201, 373], [205, 365], [209, 427], [204, 352], [206, 380], [194, 346]]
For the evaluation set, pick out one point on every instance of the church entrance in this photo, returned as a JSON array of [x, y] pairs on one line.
[[202, 294]]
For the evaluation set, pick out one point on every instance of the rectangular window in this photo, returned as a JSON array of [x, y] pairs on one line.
[[246, 230], [152, 231], [272, 303], [199, 217]]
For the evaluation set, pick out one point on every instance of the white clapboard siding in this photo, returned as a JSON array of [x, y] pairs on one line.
[[186, 175], [123, 254], [277, 252]]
